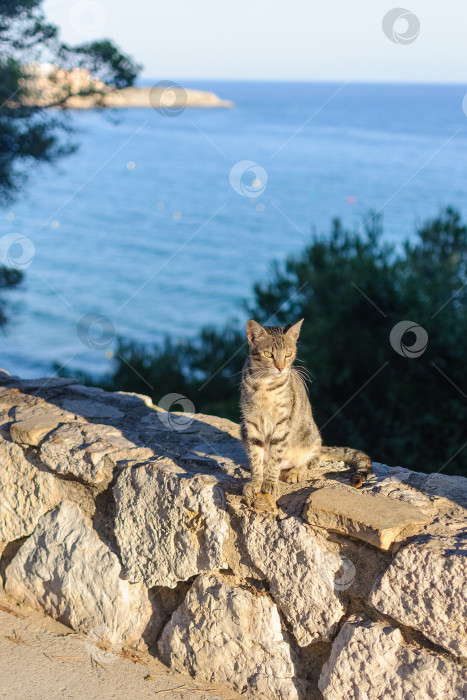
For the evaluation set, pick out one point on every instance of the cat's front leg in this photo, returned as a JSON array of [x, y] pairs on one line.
[[253, 487], [255, 450], [272, 467]]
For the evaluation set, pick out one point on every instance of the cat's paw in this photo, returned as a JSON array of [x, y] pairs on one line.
[[250, 490], [264, 503], [294, 475], [271, 488]]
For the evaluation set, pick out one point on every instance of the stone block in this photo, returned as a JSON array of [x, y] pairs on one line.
[[372, 518]]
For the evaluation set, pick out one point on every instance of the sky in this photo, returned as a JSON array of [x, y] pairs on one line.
[[336, 40]]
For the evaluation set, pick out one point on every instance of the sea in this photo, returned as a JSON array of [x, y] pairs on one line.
[[162, 221]]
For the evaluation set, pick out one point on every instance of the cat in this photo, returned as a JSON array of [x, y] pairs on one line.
[[277, 429]]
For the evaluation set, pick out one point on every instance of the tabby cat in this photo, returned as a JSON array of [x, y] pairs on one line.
[[277, 429]]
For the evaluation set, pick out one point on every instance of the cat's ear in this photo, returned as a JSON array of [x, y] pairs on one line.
[[293, 331], [254, 331]]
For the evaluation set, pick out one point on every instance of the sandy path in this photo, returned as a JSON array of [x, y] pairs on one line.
[[41, 659]]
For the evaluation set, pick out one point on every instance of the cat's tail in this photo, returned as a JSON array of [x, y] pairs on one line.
[[359, 462]]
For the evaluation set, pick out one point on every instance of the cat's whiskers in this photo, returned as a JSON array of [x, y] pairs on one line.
[[303, 373]]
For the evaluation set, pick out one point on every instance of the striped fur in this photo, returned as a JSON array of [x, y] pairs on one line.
[[278, 430]]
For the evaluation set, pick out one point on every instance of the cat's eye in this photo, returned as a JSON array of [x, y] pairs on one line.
[[288, 354], [268, 354]]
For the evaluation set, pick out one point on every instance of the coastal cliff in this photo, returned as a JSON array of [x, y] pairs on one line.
[[119, 516]]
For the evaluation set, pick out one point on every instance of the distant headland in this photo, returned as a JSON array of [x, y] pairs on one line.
[[157, 97], [170, 99], [47, 85]]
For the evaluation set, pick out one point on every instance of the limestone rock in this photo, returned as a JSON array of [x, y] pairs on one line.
[[91, 409], [372, 518], [8, 400], [196, 446], [395, 488], [132, 456], [305, 578], [441, 497], [370, 660], [28, 407], [178, 513], [425, 587], [45, 383], [226, 634], [90, 392], [78, 449], [33, 430], [25, 493], [452, 487], [132, 398], [228, 427], [394, 482], [169, 526], [66, 570], [423, 490]]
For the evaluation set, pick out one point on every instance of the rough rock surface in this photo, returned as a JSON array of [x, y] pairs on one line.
[[370, 661], [32, 430], [425, 587], [25, 493], [164, 491], [75, 577], [168, 528], [369, 517], [302, 573], [227, 634], [442, 497], [91, 409], [79, 449]]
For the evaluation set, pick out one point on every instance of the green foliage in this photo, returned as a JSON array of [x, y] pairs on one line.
[[351, 289], [30, 133], [354, 290], [8, 280], [103, 60], [184, 367], [23, 27]]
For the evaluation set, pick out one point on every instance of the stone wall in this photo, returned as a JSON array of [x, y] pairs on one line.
[[118, 516]]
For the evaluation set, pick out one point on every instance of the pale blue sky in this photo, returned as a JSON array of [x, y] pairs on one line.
[[337, 40]]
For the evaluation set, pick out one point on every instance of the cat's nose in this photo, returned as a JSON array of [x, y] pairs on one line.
[[280, 368]]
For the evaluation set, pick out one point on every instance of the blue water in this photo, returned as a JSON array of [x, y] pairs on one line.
[[168, 245]]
